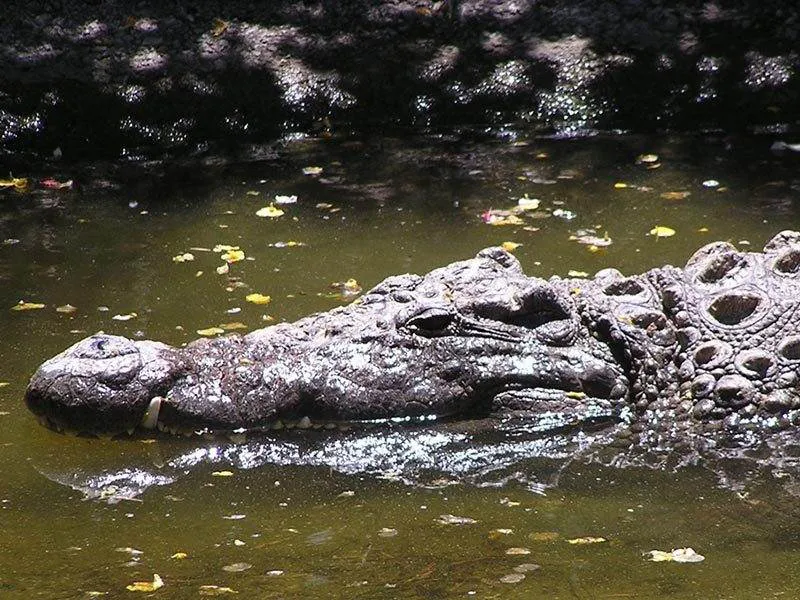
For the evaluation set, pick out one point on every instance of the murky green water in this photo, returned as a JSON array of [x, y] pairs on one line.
[[379, 207]]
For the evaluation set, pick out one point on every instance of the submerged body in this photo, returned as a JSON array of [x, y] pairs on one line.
[[712, 347]]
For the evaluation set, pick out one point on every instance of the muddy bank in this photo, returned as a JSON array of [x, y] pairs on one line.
[[138, 79]]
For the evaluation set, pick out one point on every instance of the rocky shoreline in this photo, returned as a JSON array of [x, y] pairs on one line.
[[138, 79]]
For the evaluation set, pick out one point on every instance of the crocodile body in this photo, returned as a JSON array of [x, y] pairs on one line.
[[712, 347]]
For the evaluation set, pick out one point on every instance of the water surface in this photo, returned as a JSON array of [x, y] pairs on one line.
[[248, 521]]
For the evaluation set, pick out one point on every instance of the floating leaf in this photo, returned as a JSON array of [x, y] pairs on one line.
[[512, 578], [285, 200], [621, 185], [215, 590], [146, 586], [126, 317], [22, 305], [500, 218], [223, 270], [528, 203], [589, 237], [66, 309], [232, 326], [679, 555], [387, 532], [526, 568], [646, 159], [52, 184], [4, 384], [711, 183], [258, 298], [312, 170], [270, 211], [20, 184], [185, 257], [510, 246], [565, 214], [221, 248], [179, 555], [518, 551], [675, 195], [237, 567], [219, 26], [288, 244], [587, 540], [252, 193], [574, 273], [660, 231], [222, 474], [455, 520], [233, 255], [210, 331]]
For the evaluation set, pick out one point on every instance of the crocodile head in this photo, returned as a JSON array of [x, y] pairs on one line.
[[475, 337]]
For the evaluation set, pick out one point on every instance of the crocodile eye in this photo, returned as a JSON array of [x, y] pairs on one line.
[[432, 320]]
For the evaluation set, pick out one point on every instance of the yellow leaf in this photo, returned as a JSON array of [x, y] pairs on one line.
[[620, 185], [574, 273], [258, 298], [232, 326], [20, 184], [660, 231], [232, 256], [219, 27], [675, 195], [179, 555], [510, 246], [210, 331], [270, 211], [587, 540], [22, 305], [146, 586], [703, 230], [222, 474]]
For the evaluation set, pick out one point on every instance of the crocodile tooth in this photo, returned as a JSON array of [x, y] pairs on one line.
[[304, 423], [150, 418], [129, 431], [289, 424], [277, 425]]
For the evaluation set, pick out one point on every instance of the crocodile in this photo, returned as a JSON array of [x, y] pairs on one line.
[[710, 348]]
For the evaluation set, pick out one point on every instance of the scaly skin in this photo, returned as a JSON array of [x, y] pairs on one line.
[[711, 347]]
